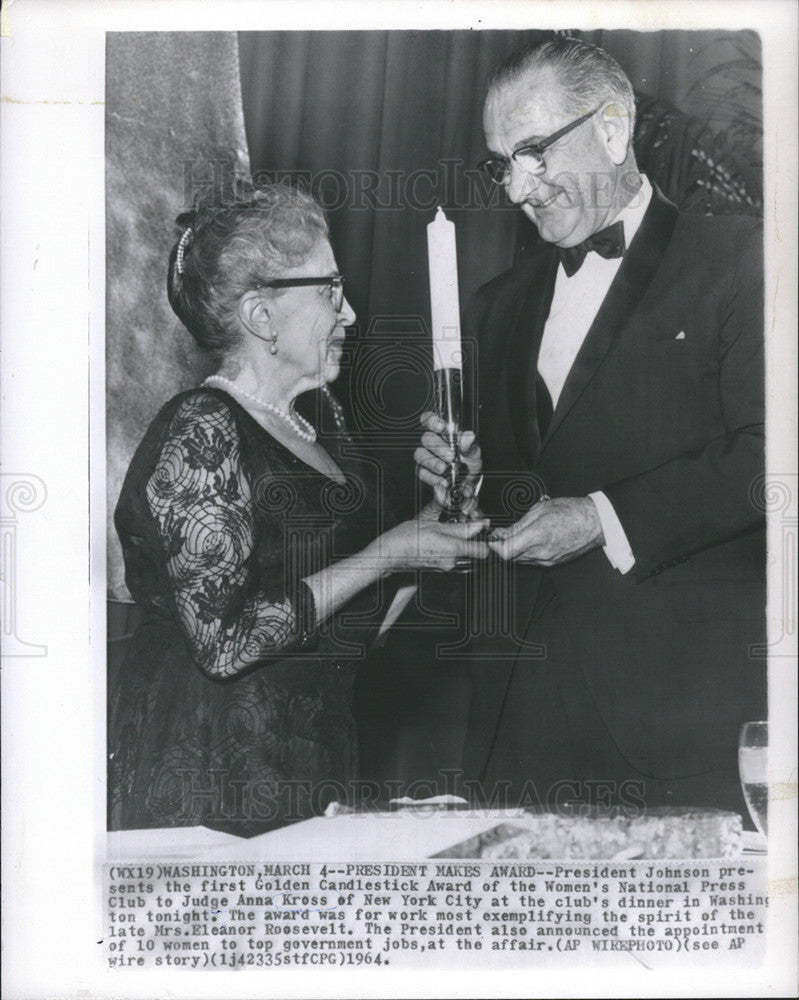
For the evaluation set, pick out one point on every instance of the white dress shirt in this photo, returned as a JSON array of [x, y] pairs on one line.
[[575, 304]]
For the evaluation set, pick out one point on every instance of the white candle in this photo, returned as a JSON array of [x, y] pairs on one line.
[[444, 308]]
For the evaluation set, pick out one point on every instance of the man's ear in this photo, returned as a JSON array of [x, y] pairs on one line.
[[616, 126], [253, 314]]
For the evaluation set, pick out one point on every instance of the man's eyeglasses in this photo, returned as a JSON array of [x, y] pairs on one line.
[[334, 283], [530, 157]]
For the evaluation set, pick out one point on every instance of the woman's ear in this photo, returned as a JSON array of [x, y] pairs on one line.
[[254, 314], [616, 124]]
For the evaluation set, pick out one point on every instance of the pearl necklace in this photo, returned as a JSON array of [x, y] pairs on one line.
[[298, 424]]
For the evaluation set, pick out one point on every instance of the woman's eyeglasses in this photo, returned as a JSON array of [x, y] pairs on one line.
[[531, 156], [334, 284]]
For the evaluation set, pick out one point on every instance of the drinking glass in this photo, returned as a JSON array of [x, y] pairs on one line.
[[753, 770]]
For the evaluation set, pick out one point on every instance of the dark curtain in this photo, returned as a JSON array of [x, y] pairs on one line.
[[387, 124], [383, 126]]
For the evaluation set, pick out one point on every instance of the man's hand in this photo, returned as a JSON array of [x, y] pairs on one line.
[[434, 456], [551, 532]]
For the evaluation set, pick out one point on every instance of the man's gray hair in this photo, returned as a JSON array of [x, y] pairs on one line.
[[588, 76]]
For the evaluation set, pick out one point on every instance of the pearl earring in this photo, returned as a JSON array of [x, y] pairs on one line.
[[273, 345]]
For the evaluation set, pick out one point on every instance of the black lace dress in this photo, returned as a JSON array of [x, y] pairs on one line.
[[233, 708]]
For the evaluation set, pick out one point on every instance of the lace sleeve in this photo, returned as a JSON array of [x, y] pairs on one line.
[[201, 500]]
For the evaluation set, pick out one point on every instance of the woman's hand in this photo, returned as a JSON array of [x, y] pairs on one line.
[[418, 544], [427, 544], [434, 456]]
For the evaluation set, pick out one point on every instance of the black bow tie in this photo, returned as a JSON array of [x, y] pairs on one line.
[[607, 243]]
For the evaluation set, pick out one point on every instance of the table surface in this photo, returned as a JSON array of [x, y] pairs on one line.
[[406, 835], [410, 835]]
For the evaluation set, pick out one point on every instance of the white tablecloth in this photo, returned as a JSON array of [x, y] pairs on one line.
[[411, 835], [407, 835]]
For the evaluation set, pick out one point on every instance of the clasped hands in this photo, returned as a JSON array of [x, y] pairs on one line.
[[551, 532]]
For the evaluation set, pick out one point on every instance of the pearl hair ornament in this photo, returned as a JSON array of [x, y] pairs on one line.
[[182, 245], [298, 424]]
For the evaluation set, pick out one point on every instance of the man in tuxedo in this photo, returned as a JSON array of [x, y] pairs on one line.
[[620, 420]]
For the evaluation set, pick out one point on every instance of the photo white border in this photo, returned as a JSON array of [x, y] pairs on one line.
[[52, 305]]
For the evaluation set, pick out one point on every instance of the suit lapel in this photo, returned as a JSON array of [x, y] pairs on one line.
[[526, 330], [632, 279]]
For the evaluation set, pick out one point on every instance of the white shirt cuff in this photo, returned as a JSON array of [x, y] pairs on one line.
[[616, 547]]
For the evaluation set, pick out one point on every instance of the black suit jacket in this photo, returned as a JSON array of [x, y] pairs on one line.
[[663, 411]]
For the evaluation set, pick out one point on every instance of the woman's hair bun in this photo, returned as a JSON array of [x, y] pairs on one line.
[[186, 219]]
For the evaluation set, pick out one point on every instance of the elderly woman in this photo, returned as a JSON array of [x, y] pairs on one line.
[[252, 540]]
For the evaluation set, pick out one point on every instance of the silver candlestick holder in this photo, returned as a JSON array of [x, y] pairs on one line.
[[448, 387]]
